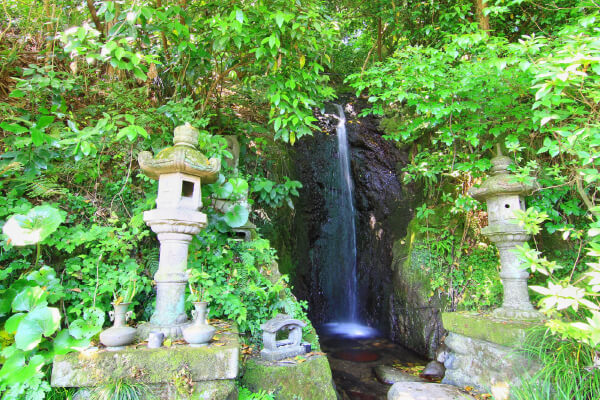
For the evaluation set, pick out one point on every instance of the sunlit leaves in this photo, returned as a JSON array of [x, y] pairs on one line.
[[33, 227]]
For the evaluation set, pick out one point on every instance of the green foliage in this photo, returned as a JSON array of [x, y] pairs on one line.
[[238, 279], [122, 390], [451, 99], [247, 394], [28, 318], [569, 369], [275, 194], [464, 272]]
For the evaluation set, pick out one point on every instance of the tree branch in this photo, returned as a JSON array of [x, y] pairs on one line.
[[97, 23]]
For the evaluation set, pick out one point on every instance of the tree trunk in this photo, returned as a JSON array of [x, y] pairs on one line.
[[379, 39], [97, 23], [484, 20]]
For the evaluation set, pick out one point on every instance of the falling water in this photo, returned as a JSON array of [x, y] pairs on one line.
[[335, 250], [347, 267]]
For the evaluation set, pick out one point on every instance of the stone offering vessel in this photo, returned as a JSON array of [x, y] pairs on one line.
[[119, 335], [274, 349], [199, 332], [504, 196], [180, 171]]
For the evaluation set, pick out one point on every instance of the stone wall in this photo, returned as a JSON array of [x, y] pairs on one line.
[[415, 314]]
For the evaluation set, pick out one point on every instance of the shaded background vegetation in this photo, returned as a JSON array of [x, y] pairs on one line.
[[85, 86]]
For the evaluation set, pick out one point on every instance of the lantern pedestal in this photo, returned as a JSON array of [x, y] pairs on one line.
[[516, 304], [175, 229]]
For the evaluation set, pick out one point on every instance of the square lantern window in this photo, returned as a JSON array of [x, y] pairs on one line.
[[503, 207], [178, 190]]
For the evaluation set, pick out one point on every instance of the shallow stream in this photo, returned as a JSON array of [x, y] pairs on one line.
[[354, 351]]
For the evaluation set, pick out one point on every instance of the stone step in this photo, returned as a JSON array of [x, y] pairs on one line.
[[426, 391], [391, 375]]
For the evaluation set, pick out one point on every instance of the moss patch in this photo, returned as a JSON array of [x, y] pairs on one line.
[[484, 327], [308, 380]]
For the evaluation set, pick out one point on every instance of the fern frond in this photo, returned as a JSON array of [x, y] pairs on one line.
[[13, 166], [45, 187]]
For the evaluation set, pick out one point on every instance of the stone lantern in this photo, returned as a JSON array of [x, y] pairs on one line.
[[180, 171], [504, 196]]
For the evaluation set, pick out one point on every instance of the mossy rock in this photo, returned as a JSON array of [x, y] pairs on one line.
[[307, 380], [488, 328]]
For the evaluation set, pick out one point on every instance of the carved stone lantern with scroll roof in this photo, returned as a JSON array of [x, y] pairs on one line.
[[180, 171], [504, 196]]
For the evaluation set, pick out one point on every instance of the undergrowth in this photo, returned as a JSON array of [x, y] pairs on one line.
[[569, 369]]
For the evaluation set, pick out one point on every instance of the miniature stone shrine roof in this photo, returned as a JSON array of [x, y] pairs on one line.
[[181, 157], [281, 320], [501, 182]]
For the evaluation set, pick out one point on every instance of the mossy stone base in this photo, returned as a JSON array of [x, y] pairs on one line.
[[211, 369], [488, 328], [308, 380], [483, 351]]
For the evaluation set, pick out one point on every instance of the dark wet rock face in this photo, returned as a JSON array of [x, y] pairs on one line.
[[382, 213]]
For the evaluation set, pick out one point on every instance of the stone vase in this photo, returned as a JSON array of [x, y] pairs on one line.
[[198, 333], [119, 335]]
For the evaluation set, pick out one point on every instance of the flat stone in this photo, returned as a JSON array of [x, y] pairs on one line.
[[425, 391], [483, 327], [391, 375], [150, 366], [308, 380]]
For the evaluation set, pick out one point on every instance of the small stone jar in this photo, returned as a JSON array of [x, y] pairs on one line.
[[198, 333], [119, 335]]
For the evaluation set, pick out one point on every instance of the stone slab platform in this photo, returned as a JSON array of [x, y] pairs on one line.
[[307, 378], [485, 327], [211, 368], [484, 351]]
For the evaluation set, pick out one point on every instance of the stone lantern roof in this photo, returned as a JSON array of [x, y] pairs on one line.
[[501, 182], [181, 157]]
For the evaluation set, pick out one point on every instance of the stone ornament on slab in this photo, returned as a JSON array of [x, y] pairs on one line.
[[199, 333], [119, 335], [275, 350], [180, 170], [504, 196]]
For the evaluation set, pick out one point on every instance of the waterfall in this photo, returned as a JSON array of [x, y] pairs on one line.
[[336, 249], [347, 229]]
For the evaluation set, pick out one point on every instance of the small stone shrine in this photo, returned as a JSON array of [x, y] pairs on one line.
[[275, 350], [180, 171], [482, 348]]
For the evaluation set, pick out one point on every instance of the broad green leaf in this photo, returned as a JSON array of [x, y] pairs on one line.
[[29, 335], [47, 318], [28, 298], [12, 324], [6, 298], [17, 93], [33, 227], [14, 128], [237, 216]]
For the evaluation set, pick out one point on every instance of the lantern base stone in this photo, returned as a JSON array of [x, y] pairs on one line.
[[516, 314]]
